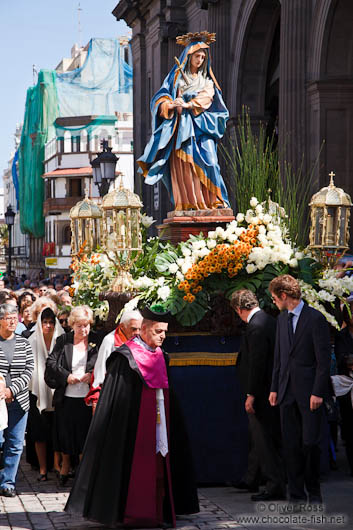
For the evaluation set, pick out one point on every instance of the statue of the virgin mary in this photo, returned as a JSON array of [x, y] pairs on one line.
[[188, 119]]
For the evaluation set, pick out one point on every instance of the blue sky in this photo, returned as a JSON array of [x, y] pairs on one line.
[[40, 33]]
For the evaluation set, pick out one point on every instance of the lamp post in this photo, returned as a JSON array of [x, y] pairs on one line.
[[103, 168], [9, 220]]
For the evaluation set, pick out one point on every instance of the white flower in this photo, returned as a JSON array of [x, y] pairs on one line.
[[299, 255], [220, 232], [262, 229], [186, 251], [131, 305], [179, 276], [147, 221], [212, 235], [258, 209], [255, 221], [185, 267], [250, 268], [180, 262], [173, 267], [160, 280], [240, 217], [211, 243], [163, 292], [248, 216], [267, 218], [204, 252], [232, 238], [293, 263], [253, 202]]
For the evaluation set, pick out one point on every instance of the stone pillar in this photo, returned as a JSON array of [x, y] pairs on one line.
[[219, 22], [293, 103]]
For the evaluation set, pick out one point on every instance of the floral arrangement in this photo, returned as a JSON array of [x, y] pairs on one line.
[[251, 251]]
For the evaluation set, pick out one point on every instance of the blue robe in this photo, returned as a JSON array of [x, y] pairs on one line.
[[195, 135]]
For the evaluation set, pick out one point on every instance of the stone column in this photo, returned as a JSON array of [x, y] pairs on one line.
[[219, 22], [293, 103]]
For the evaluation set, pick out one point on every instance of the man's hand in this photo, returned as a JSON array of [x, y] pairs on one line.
[[249, 404], [273, 398], [315, 402], [8, 395], [72, 379]]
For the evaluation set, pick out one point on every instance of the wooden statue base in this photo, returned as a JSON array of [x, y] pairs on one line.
[[179, 225]]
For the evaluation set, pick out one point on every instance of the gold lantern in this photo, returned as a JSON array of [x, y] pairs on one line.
[[86, 226], [329, 230], [122, 239]]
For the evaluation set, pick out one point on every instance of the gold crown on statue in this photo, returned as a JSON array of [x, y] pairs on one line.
[[205, 36]]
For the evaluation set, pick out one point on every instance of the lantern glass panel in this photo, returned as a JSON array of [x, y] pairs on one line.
[[343, 222], [135, 227], [76, 235], [121, 229], [108, 170], [331, 227], [97, 174], [319, 220]]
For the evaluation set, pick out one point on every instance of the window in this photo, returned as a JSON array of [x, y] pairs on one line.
[[66, 235], [75, 144], [75, 187]]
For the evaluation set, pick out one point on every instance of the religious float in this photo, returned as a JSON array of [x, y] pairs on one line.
[[204, 253], [116, 267]]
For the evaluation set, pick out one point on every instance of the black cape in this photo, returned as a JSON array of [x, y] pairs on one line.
[[101, 484]]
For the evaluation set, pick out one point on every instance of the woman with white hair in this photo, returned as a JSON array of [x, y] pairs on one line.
[[68, 370], [128, 327]]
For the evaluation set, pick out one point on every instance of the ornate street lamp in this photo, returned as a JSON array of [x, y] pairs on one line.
[[122, 236], [9, 220], [329, 230], [103, 168], [86, 226]]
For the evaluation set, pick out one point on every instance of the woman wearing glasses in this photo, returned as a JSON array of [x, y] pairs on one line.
[[68, 370], [16, 366]]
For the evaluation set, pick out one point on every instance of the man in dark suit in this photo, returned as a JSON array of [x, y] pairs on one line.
[[255, 364], [299, 383]]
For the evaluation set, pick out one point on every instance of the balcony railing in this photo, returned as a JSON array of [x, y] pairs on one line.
[[16, 251], [59, 204]]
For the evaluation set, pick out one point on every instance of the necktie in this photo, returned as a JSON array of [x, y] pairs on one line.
[[290, 327]]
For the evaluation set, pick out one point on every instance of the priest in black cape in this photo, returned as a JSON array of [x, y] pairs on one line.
[[136, 468]]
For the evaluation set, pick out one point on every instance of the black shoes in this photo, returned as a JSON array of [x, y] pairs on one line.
[[268, 496], [63, 479], [7, 492], [242, 485], [43, 477]]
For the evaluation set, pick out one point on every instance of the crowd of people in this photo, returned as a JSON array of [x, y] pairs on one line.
[[99, 407], [297, 377]]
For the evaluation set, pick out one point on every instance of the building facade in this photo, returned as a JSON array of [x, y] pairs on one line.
[[289, 61], [20, 243]]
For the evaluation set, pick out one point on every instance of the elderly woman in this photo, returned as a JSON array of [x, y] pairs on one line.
[[16, 366], [68, 370], [40, 418]]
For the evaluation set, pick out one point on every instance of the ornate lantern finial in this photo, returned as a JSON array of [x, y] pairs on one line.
[[329, 231], [86, 226]]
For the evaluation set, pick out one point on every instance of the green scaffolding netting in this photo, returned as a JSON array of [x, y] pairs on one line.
[[101, 87], [38, 127]]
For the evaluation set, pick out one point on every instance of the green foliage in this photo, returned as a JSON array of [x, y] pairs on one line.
[[253, 164]]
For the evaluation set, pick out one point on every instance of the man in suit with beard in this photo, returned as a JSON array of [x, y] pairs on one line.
[[255, 369], [299, 383]]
